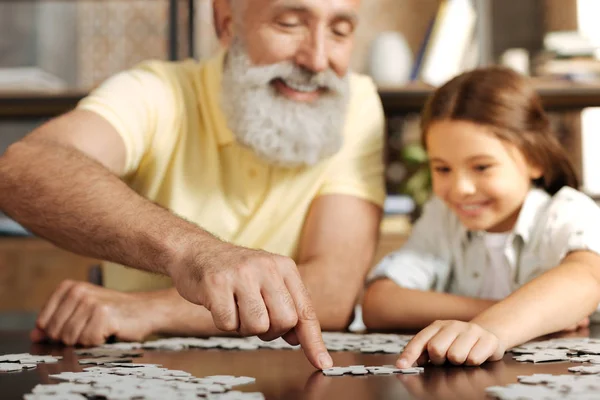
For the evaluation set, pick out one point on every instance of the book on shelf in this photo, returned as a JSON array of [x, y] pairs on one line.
[[447, 49], [395, 224], [397, 214], [568, 55], [580, 69], [398, 204]]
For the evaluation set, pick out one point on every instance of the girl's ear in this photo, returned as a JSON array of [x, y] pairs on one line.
[[535, 172]]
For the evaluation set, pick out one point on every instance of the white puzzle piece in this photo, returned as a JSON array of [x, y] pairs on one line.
[[12, 367], [374, 370]]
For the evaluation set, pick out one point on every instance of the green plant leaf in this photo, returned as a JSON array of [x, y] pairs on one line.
[[414, 153]]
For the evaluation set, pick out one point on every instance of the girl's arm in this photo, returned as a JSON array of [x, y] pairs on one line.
[[388, 306], [557, 299], [421, 264]]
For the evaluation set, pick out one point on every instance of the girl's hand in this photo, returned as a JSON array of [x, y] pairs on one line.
[[461, 343], [584, 323]]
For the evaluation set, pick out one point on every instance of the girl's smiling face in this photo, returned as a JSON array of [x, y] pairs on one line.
[[484, 180]]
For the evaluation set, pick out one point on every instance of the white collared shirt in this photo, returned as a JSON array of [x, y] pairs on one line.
[[498, 272], [442, 255]]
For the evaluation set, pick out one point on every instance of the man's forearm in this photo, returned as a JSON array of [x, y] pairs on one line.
[[60, 194], [389, 306]]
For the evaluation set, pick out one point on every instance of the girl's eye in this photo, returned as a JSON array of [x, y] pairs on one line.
[[482, 167], [441, 170]]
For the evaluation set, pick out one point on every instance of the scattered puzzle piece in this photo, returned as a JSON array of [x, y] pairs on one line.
[[97, 352], [12, 367], [65, 396], [26, 358], [144, 381], [517, 391], [595, 369], [374, 370], [104, 360], [544, 356]]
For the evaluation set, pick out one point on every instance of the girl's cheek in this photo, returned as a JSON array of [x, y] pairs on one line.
[[438, 189]]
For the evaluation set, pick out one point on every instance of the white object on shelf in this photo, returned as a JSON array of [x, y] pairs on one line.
[[391, 59], [590, 143], [398, 204], [517, 59], [569, 43], [587, 23]]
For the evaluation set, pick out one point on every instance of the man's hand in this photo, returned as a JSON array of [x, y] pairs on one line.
[[253, 292], [86, 314], [461, 343]]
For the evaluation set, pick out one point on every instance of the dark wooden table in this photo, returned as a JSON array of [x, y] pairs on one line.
[[285, 374]]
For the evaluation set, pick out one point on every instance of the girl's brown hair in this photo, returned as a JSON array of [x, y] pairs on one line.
[[503, 100]]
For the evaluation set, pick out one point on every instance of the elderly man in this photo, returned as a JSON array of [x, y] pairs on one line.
[[252, 181]]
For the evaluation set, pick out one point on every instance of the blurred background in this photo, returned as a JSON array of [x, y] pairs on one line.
[[53, 52]]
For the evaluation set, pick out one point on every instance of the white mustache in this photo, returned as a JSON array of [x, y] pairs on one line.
[[260, 75]]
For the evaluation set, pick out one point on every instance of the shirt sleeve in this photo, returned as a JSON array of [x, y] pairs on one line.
[[425, 257], [358, 169], [574, 224], [136, 103]]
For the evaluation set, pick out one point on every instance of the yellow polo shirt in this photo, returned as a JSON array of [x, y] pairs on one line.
[[181, 155]]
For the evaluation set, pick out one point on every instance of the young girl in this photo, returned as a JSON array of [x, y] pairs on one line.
[[507, 250]]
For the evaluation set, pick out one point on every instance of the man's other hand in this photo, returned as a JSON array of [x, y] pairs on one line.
[[86, 314]]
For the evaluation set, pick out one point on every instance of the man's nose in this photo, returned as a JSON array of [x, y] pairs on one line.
[[312, 55]]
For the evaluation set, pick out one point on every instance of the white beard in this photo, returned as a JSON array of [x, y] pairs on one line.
[[281, 131]]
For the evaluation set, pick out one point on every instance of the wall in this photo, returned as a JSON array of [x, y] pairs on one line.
[[17, 39], [560, 15], [56, 47]]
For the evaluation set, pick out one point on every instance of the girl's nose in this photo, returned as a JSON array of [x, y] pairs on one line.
[[463, 185]]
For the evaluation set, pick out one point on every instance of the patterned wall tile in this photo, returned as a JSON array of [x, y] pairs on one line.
[[116, 35]]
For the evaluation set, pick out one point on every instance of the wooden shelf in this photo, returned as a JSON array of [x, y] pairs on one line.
[[37, 105], [402, 100], [556, 96]]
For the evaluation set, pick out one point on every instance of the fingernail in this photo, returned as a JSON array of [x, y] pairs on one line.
[[402, 363], [325, 361]]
